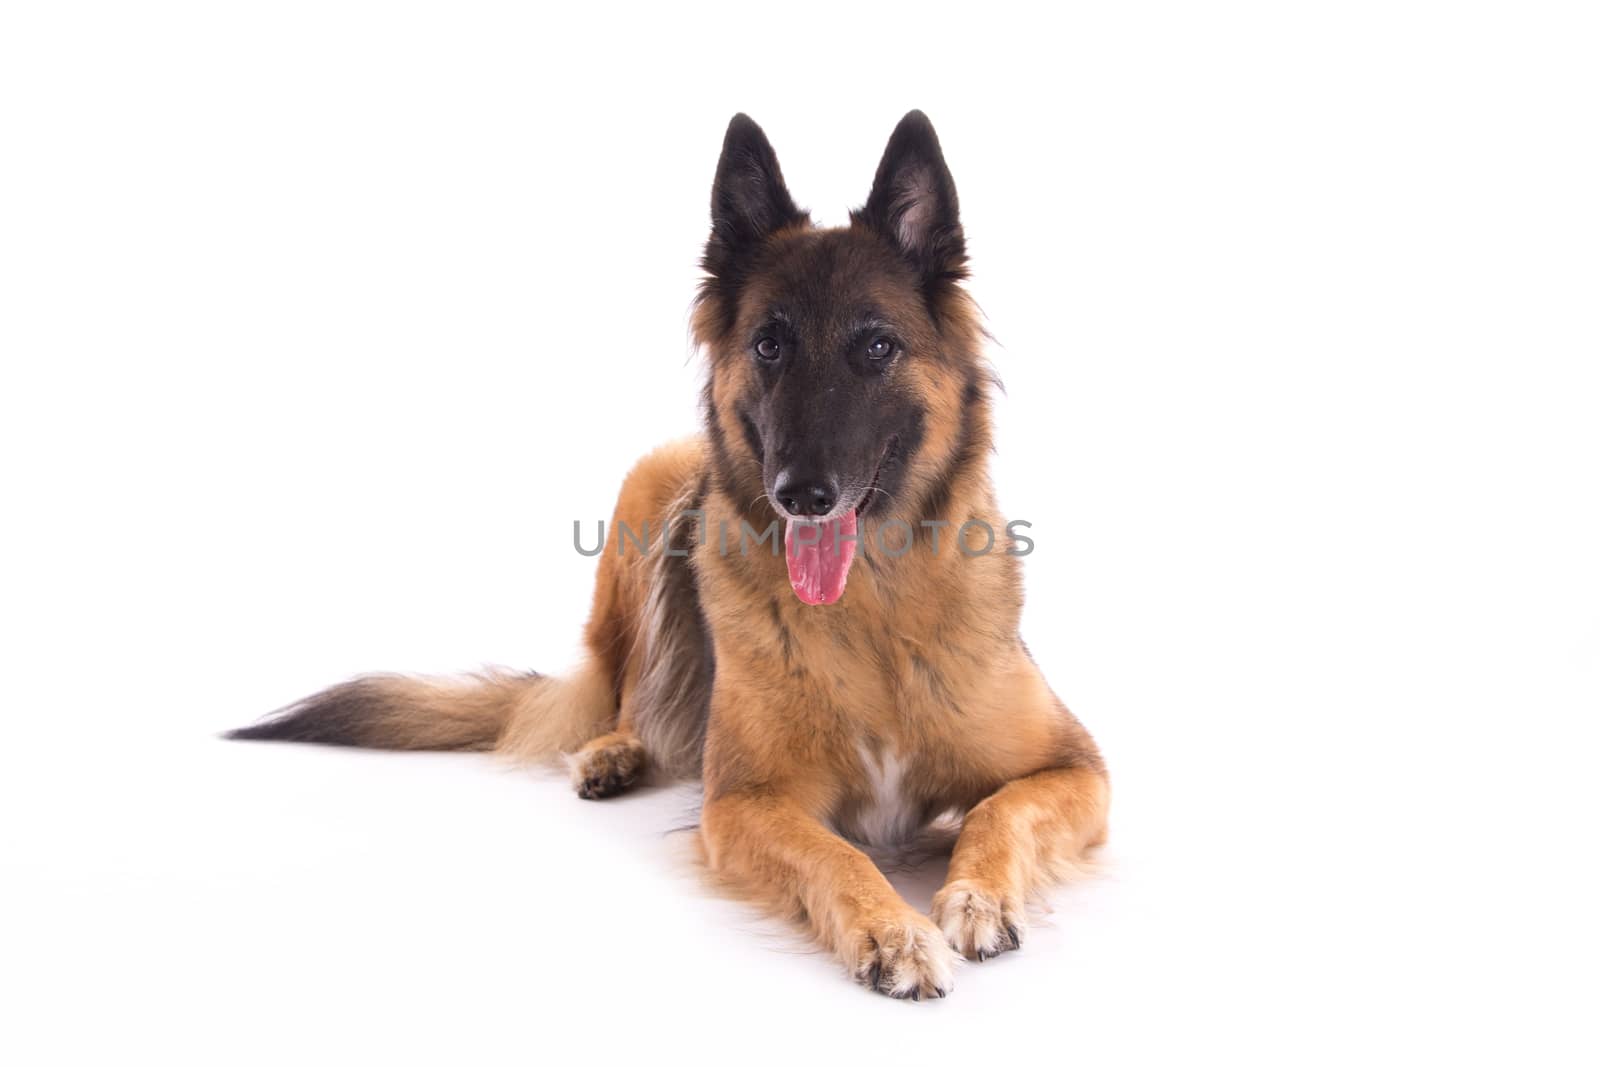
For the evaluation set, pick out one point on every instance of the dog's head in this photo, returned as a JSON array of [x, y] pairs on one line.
[[845, 381]]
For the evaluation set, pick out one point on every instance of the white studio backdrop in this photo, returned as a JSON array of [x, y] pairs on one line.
[[322, 323]]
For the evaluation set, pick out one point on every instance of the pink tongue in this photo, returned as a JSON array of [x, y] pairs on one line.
[[819, 557]]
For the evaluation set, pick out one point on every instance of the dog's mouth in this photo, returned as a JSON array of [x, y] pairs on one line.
[[820, 552], [870, 495]]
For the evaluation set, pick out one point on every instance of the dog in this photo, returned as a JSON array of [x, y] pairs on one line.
[[862, 682]]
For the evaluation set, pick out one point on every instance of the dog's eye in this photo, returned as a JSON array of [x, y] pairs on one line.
[[767, 350], [880, 350]]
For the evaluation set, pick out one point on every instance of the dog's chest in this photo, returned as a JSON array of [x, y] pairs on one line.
[[881, 807]]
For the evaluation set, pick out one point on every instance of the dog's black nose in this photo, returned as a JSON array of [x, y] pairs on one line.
[[805, 496]]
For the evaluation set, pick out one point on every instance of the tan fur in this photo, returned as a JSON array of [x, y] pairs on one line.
[[910, 698], [525, 714], [817, 729], [609, 764], [634, 645], [919, 663], [631, 642], [559, 715], [427, 713]]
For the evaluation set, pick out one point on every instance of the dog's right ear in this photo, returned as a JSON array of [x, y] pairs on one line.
[[749, 201]]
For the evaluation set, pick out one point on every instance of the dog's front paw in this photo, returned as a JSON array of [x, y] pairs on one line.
[[904, 956], [977, 922], [606, 766]]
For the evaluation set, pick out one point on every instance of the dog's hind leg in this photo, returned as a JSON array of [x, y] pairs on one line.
[[645, 630], [1022, 837]]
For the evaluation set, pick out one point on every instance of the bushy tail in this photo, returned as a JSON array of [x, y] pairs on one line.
[[529, 716]]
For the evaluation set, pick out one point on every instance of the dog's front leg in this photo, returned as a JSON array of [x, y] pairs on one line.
[[770, 846], [1015, 841]]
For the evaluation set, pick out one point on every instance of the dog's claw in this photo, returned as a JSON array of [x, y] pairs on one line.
[[978, 922], [904, 958]]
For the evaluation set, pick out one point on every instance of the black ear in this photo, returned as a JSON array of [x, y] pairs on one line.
[[749, 201], [913, 202]]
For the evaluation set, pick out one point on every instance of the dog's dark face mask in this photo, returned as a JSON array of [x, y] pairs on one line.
[[831, 368]]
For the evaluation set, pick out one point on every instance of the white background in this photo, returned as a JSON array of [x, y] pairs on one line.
[[322, 322]]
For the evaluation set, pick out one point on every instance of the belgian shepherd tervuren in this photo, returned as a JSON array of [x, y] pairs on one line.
[[847, 399]]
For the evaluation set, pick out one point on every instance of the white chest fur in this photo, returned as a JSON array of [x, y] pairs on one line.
[[886, 814]]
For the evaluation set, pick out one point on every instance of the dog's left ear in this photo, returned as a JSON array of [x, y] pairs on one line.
[[913, 202]]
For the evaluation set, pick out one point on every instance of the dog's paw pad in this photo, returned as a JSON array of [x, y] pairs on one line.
[[978, 924], [903, 958]]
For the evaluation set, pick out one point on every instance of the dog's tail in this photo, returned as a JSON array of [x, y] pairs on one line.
[[529, 716]]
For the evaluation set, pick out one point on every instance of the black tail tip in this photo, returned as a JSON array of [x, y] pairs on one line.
[[270, 730], [348, 715]]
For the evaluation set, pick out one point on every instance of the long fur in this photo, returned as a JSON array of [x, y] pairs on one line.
[[907, 698], [673, 695], [527, 716]]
